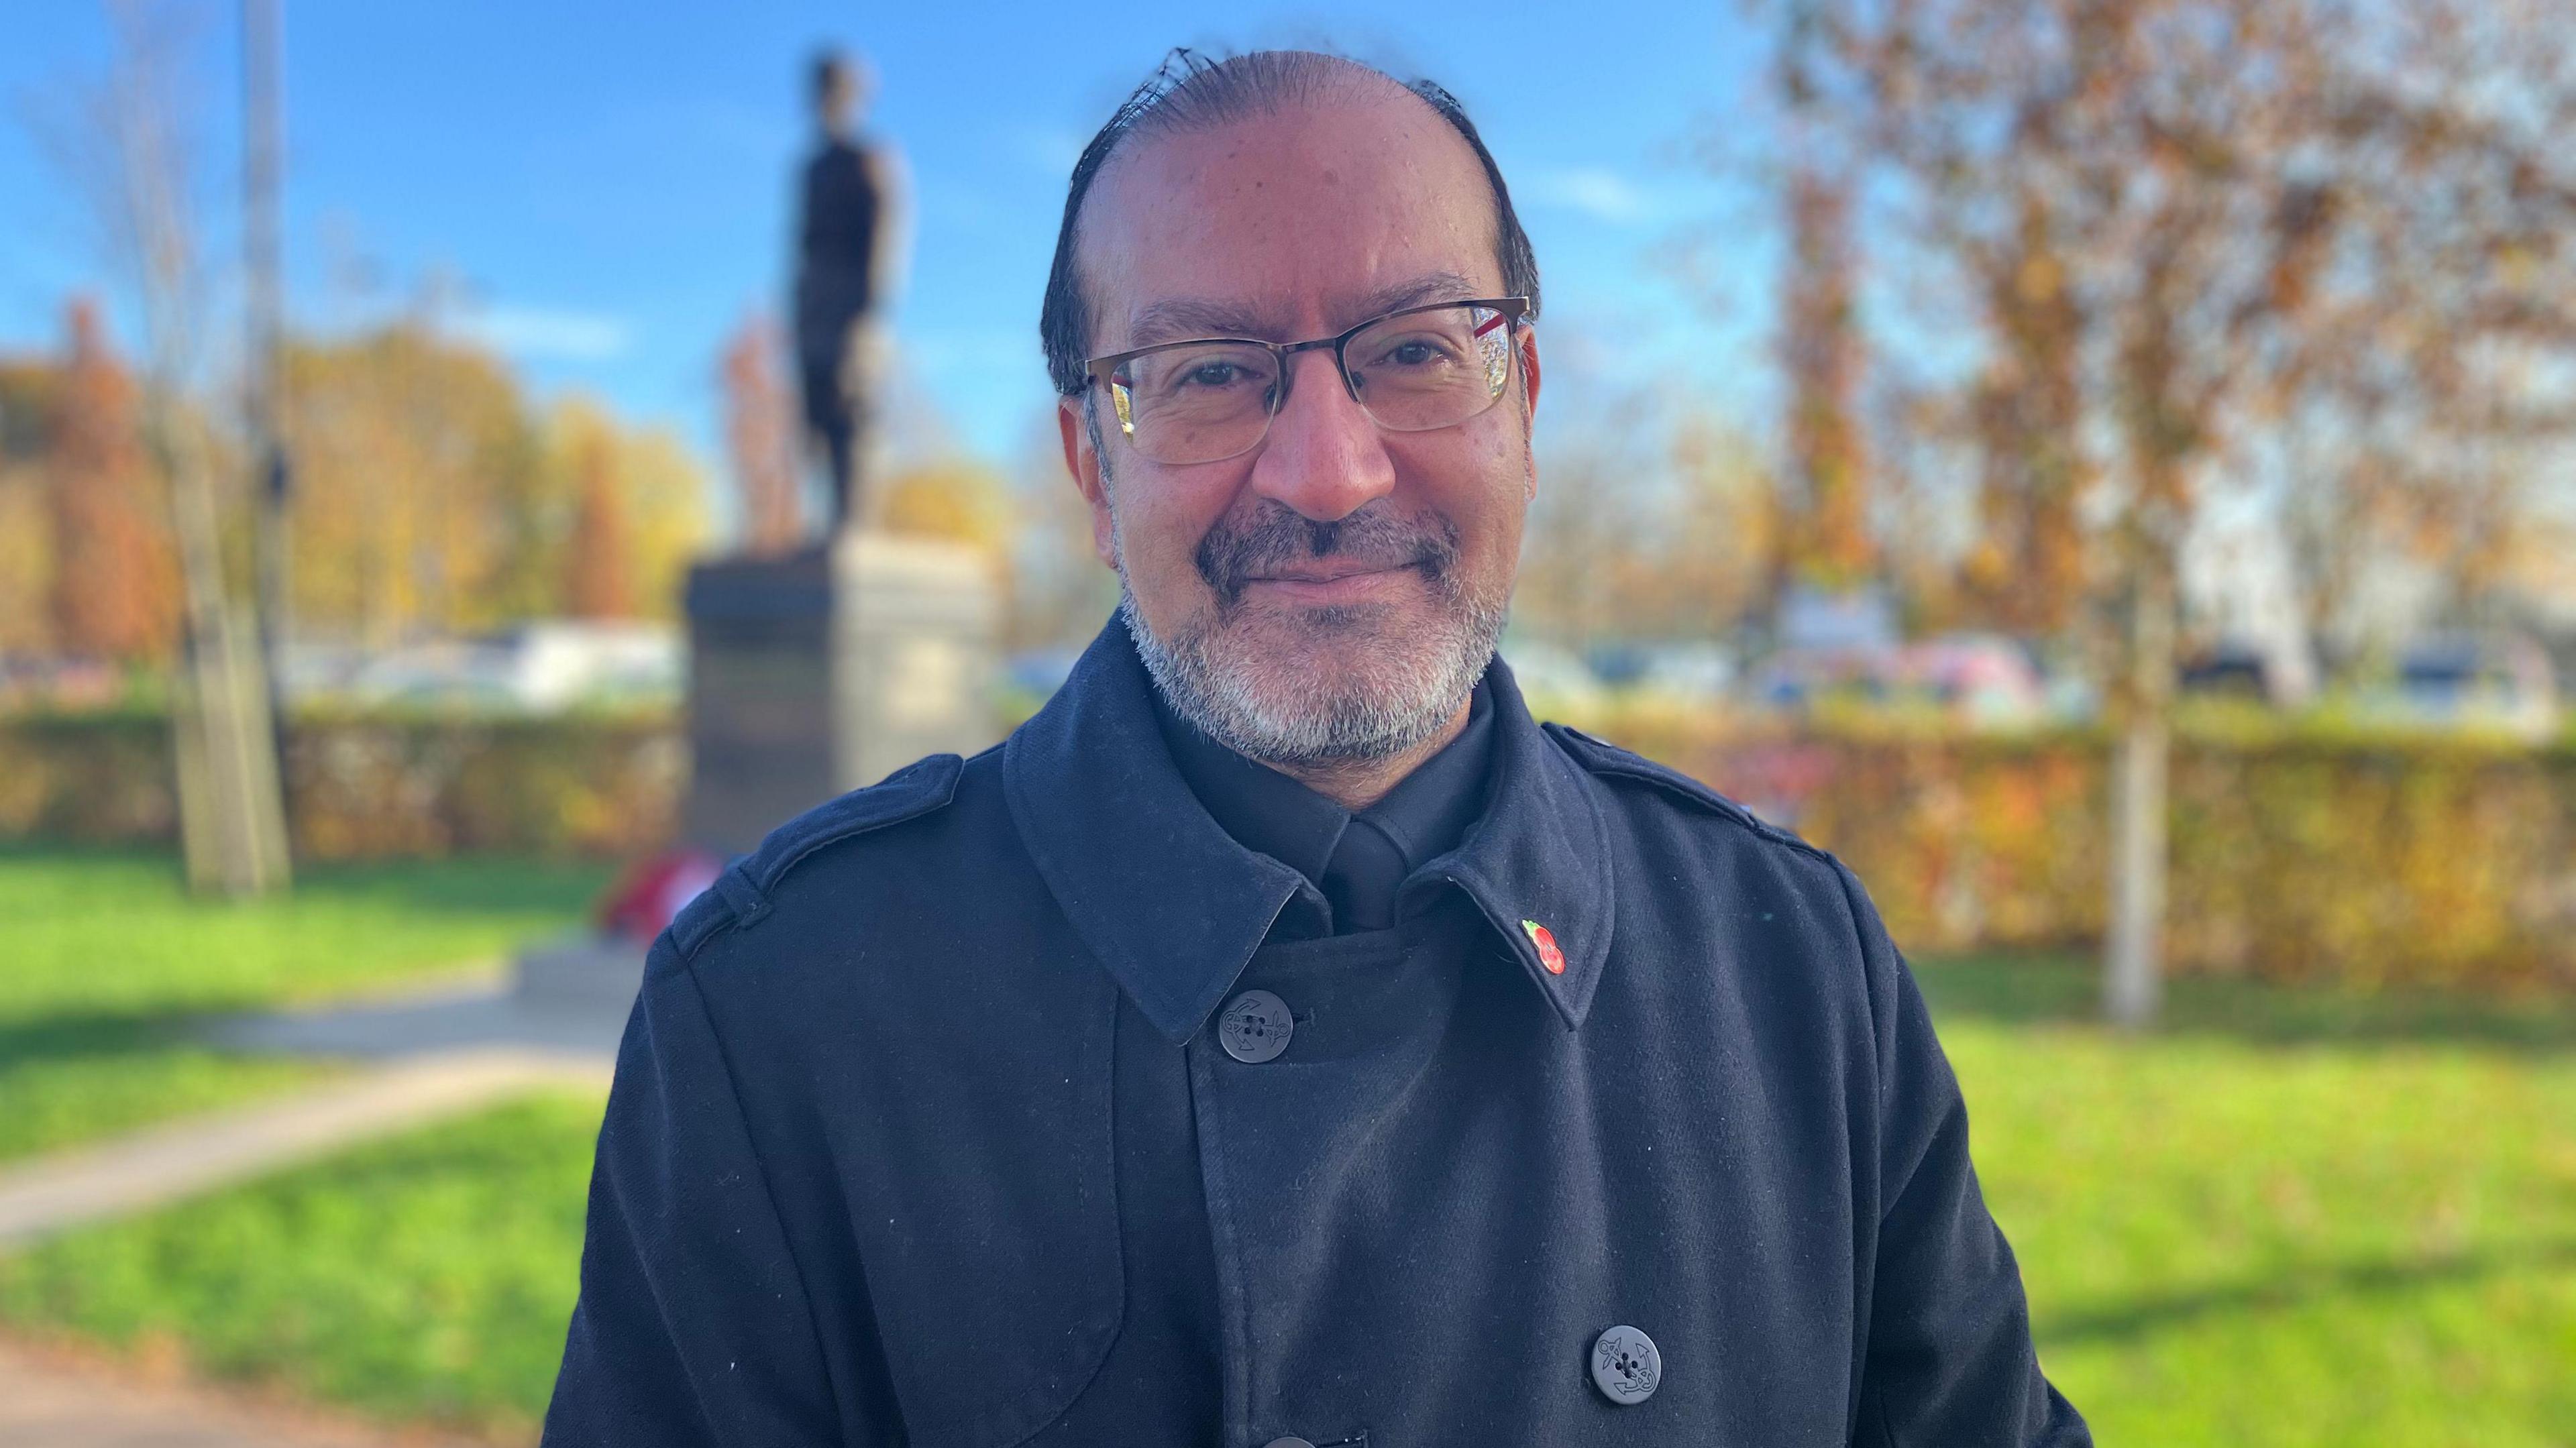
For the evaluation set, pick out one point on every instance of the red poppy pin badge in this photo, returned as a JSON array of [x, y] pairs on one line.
[[1548, 954]]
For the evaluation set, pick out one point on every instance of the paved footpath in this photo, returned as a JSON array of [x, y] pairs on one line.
[[181, 1158], [54, 1400], [427, 1053]]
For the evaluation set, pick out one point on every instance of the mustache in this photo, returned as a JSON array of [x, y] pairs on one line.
[[1238, 550]]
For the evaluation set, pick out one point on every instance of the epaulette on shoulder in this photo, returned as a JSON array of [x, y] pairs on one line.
[[740, 894], [1603, 757]]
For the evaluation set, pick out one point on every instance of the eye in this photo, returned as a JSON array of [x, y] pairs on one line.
[[1212, 374], [1416, 351]]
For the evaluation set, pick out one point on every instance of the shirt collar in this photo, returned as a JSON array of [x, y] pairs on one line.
[[1174, 906], [1263, 810], [1426, 812], [1430, 809]]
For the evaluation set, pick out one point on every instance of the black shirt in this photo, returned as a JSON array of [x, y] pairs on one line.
[[1357, 863]]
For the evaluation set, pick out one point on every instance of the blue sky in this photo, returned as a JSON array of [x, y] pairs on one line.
[[601, 190]]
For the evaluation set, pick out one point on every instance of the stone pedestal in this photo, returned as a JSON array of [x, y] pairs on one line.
[[827, 669]]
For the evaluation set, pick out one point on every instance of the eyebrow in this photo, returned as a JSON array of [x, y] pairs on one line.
[[1183, 319]]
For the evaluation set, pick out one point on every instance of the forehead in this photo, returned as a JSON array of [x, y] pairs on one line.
[[1289, 225]]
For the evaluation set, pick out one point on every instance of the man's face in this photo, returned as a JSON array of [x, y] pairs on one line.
[[1331, 595]]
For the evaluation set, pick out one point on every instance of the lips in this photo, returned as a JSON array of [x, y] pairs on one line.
[[1328, 575], [1347, 585]]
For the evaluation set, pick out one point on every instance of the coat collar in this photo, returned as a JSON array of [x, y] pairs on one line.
[[1174, 907]]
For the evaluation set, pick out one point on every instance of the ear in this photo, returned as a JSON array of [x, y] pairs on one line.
[[1082, 460]]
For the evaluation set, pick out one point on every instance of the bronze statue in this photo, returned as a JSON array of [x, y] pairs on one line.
[[846, 245]]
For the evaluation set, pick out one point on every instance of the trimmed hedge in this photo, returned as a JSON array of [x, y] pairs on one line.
[[2297, 854], [361, 788], [2365, 859]]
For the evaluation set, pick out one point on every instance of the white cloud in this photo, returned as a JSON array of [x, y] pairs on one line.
[[1052, 150], [544, 333], [1602, 194]]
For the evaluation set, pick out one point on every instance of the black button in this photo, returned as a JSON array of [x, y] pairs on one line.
[[1625, 1365], [1255, 1027]]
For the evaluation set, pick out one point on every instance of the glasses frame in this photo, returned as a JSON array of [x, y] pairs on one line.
[[1515, 314]]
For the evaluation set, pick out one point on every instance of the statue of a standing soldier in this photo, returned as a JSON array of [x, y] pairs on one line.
[[846, 245]]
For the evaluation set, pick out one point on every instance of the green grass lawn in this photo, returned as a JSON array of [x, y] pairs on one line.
[[2288, 1218], [104, 957], [429, 1276]]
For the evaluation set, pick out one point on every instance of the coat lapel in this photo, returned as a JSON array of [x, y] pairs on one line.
[[1174, 907]]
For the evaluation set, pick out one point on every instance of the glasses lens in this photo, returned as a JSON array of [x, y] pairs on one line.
[[1198, 403], [1432, 369]]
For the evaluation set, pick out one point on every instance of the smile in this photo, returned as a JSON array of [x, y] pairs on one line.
[[1334, 585]]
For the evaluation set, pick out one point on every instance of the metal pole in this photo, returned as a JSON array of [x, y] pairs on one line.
[[264, 318], [264, 314]]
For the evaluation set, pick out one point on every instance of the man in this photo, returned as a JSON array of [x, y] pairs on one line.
[[843, 251], [1281, 1040]]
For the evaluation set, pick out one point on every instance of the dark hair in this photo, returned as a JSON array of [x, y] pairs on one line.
[[830, 68], [1191, 91]]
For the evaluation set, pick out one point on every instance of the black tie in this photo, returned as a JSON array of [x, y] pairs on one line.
[[1361, 878]]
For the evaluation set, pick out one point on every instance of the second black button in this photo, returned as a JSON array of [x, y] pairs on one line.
[[1254, 1027]]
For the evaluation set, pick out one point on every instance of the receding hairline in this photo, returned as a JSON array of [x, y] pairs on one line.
[[1313, 81], [1260, 83], [1189, 91]]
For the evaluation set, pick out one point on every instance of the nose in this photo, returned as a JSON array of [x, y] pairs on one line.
[[1323, 457]]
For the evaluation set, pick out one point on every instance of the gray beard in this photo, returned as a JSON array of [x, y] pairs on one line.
[[1309, 726]]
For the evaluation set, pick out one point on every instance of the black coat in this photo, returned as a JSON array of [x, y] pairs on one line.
[[866, 1172]]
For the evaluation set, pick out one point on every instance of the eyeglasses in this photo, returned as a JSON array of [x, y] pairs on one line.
[[1416, 370]]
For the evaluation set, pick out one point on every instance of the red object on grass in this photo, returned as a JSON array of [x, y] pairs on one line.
[[652, 890]]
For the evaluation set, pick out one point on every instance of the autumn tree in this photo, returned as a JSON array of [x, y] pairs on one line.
[[27, 388], [2024, 415], [2213, 248], [417, 481], [115, 587], [954, 497], [1646, 526], [434, 496], [1827, 541], [619, 513], [597, 583]]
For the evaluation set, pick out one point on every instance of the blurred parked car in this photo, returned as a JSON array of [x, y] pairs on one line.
[[308, 669], [59, 681], [1691, 670], [2498, 682], [1985, 679], [1837, 622], [1978, 678], [2228, 669], [2278, 671]]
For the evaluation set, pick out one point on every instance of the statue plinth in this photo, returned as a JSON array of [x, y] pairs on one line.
[[823, 670]]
